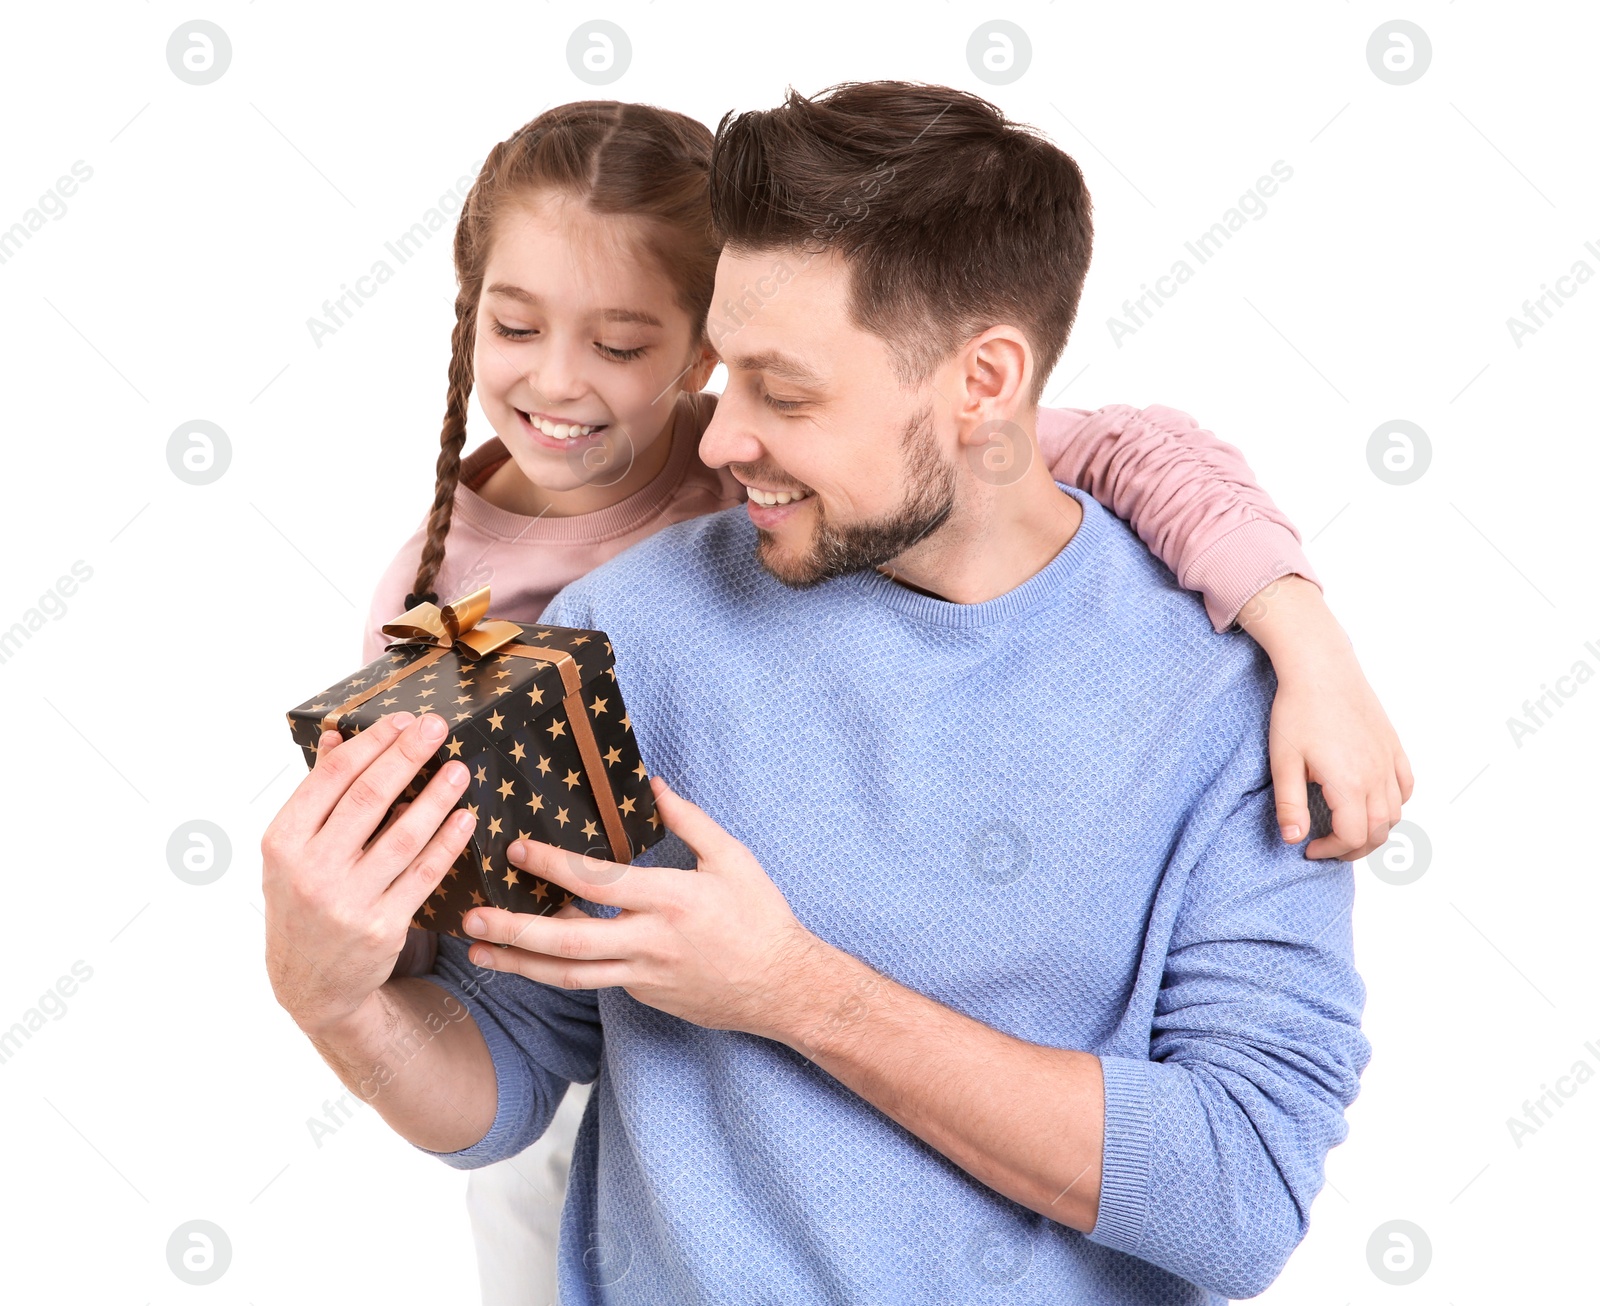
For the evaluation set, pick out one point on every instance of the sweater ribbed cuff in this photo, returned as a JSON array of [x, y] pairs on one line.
[[1125, 1164], [1241, 564], [513, 1088]]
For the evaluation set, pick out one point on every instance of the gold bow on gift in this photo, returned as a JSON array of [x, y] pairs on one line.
[[459, 625]]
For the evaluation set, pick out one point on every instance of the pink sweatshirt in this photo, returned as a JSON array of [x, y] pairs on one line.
[[1190, 497]]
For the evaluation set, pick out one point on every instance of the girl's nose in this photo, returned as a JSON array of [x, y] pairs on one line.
[[556, 376]]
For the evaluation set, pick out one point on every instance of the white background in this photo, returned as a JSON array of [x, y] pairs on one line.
[[177, 286]]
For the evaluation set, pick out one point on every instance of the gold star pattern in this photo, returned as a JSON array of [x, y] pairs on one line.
[[516, 777]]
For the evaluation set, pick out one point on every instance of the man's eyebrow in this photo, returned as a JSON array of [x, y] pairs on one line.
[[790, 369], [608, 314]]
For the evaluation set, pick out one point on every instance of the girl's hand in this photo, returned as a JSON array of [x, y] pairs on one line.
[[1327, 725], [341, 892]]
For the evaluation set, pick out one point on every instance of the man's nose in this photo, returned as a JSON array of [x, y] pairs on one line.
[[729, 437]]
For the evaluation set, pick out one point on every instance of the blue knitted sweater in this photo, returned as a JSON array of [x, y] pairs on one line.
[[1050, 811]]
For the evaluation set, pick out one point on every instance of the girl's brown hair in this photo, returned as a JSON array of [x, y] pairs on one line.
[[618, 159]]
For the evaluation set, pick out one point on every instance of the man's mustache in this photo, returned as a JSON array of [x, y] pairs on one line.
[[768, 479]]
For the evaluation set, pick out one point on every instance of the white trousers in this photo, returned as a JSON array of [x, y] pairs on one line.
[[515, 1209]]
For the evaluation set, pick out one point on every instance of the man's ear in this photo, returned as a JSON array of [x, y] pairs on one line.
[[996, 372], [705, 363]]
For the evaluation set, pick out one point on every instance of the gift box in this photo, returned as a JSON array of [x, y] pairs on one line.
[[535, 714]]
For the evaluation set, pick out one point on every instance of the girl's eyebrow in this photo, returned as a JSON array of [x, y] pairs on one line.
[[608, 314]]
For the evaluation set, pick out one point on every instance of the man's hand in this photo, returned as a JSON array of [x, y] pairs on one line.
[[340, 892], [1327, 725], [719, 947]]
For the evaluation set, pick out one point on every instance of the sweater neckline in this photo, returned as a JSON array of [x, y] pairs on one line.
[[1048, 582], [516, 528]]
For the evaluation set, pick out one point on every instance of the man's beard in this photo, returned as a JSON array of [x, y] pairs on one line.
[[838, 550]]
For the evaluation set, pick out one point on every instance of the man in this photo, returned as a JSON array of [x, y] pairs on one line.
[[995, 977]]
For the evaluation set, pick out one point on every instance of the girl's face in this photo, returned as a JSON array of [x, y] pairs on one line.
[[582, 347]]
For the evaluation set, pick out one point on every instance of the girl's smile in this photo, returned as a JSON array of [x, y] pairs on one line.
[[551, 432]]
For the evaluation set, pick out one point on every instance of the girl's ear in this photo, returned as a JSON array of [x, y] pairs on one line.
[[705, 363]]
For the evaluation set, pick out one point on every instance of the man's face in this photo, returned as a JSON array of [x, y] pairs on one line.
[[846, 469]]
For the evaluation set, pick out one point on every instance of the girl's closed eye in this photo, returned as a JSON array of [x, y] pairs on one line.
[[513, 333], [620, 355]]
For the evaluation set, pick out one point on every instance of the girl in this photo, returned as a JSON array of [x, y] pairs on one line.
[[585, 259]]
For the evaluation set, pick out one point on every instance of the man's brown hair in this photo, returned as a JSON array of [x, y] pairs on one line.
[[950, 217]]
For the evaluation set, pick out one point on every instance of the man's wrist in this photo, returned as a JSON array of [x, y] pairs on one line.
[[352, 1028], [828, 999]]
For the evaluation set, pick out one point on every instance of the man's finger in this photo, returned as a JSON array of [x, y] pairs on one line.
[[394, 848], [703, 835], [584, 938], [404, 898], [612, 884], [1289, 789], [339, 762], [372, 792], [554, 971]]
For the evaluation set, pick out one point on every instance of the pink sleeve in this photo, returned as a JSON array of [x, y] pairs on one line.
[[1188, 496]]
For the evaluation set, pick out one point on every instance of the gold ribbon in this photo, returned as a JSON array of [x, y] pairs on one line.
[[459, 625]]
